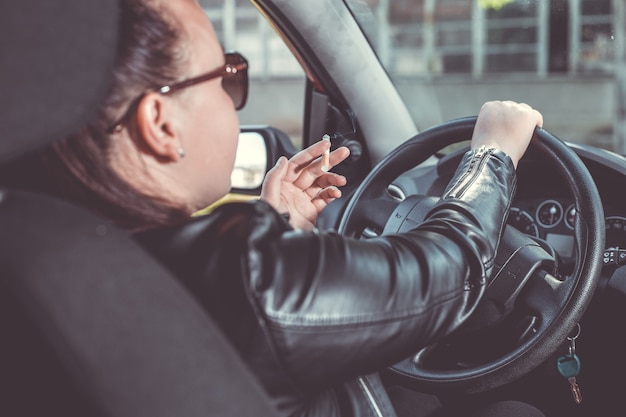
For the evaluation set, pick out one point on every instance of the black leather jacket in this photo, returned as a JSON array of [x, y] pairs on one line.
[[316, 314]]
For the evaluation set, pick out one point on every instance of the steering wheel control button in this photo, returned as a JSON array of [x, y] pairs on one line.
[[614, 257]]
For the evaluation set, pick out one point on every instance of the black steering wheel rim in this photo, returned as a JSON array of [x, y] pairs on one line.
[[577, 291]]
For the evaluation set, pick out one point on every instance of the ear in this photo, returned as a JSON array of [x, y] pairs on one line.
[[156, 126]]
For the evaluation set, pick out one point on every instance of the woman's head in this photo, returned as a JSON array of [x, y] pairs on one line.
[[152, 157]]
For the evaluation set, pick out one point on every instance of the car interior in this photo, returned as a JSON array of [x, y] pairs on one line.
[[95, 326], [567, 201]]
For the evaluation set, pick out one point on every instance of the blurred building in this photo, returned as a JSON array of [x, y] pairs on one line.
[[438, 37], [491, 47]]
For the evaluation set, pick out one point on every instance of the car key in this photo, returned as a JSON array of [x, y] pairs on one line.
[[569, 367]]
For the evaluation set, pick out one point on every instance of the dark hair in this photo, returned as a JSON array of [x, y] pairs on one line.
[[149, 54]]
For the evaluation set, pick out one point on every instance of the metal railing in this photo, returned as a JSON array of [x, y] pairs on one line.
[[439, 46], [488, 41]]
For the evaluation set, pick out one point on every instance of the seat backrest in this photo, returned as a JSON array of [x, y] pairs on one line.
[[91, 325], [91, 322]]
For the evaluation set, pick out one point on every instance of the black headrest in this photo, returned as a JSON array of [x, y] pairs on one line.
[[55, 64]]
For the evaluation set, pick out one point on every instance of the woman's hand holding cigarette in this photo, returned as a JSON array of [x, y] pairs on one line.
[[303, 185]]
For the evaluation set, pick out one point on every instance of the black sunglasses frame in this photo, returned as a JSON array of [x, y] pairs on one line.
[[235, 69], [235, 82]]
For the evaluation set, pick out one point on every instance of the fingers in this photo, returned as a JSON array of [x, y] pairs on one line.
[[311, 157], [314, 185], [304, 171], [308, 155], [328, 194], [337, 156], [311, 172]]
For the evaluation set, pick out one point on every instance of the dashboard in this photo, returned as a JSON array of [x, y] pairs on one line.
[[543, 206], [548, 219], [553, 220]]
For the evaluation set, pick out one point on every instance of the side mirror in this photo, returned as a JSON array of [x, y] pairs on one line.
[[250, 162], [258, 150]]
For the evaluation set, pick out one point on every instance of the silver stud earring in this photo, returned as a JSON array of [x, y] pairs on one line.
[[181, 152]]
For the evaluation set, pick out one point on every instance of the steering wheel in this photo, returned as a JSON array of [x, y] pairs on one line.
[[529, 307]]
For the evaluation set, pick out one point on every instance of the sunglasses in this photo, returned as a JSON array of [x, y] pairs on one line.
[[234, 75]]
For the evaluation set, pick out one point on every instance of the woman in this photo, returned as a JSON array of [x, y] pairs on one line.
[[311, 313]]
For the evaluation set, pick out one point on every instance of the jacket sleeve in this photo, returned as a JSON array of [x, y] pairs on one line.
[[334, 307], [319, 308]]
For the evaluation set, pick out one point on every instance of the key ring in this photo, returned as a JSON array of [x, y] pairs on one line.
[[572, 340]]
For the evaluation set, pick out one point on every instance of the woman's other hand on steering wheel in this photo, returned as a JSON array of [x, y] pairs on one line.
[[506, 125]]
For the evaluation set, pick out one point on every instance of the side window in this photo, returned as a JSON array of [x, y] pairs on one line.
[[277, 82]]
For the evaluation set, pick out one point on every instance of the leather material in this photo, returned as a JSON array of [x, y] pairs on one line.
[[309, 311]]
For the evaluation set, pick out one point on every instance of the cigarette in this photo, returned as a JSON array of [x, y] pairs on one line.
[[326, 156]]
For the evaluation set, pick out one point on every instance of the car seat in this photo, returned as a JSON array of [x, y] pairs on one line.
[[90, 324]]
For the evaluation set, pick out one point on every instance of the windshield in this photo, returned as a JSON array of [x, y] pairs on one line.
[[563, 57]]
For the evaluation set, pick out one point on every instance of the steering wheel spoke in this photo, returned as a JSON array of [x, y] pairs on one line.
[[518, 260], [371, 217], [545, 296]]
